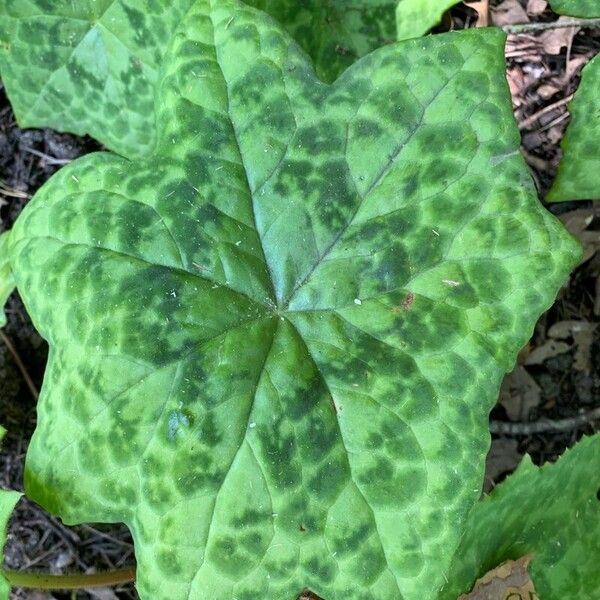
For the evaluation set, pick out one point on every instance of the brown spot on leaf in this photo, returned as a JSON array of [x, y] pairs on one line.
[[405, 305]]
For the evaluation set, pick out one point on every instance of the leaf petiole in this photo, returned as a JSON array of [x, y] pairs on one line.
[[47, 581]]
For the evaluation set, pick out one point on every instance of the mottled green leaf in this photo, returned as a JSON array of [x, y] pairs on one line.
[[335, 33], [417, 17], [275, 343], [552, 512], [88, 66], [576, 8], [6, 280], [8, 500], [578, 175]]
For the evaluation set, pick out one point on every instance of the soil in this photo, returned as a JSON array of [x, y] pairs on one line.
[[556, 378]]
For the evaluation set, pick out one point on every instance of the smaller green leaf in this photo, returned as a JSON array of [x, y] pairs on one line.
[[8, 499], [336, 33], [579, 170], [576, 8], [6, 279], [416, 17], [87, 67], [552, 512]]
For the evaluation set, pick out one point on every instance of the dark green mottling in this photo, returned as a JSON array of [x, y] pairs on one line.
[[275, 342]]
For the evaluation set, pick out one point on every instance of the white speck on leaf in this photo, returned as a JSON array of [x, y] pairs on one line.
[[357, 301], [451, 282]]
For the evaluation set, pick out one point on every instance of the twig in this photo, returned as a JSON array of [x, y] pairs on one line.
[[544, 425], [20, 365], [529, 121], [51, 160], [533, 27]]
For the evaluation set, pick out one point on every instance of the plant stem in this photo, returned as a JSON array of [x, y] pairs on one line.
[[533, 27], [45, 581]]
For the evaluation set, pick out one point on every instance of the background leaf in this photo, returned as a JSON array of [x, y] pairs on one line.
[[88, 66], [275, 343], [6, 280], [578, 175], [552, 512], [335, 33], [576, 8], [416, 17]]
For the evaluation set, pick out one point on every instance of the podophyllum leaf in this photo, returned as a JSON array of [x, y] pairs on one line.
[[578, 175], [88, 66], [6, 279], [335, 33], [576, 8], [274, 344], [8, 500], [417, 17], [552, 512]]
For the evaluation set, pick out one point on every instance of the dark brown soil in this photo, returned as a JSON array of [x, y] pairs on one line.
[[568, 381]]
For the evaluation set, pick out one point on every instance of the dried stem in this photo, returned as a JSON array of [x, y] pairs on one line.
[[533, 27], [544, 425]]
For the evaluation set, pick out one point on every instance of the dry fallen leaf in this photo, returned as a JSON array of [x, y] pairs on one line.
[[509, 581], [536, 7], [503, 457], [519, 394], [509, 12], [582, 333], [577, 223], [548, 349], [554, 40], [483, 11]]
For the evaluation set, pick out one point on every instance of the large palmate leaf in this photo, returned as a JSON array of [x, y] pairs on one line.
[[88, 66], [552, 512], [579, 170], [576, 8], [274, 344]]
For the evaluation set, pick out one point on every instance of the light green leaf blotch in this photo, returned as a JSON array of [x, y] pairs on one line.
[[578, 175], [87, 67], [552, 512], [7, 283], [576, 8], [275, 343]]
